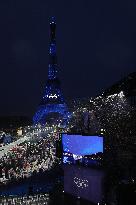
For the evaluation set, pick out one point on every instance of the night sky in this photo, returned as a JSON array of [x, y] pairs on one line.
[[96, 46]]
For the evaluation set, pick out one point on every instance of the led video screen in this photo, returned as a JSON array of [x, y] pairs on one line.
[[84, 182], [82, 145]]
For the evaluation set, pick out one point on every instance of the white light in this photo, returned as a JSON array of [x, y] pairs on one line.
[[121, 94], [81, 183], [53, 96], [76, 157]]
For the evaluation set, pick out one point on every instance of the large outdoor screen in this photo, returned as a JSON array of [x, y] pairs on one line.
[[82, 145], [84, 182]]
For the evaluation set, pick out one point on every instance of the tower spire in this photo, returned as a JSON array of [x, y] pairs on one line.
[[53, 28], [52, 69]]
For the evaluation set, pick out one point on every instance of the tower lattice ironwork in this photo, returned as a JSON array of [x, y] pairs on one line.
[[53, 100]]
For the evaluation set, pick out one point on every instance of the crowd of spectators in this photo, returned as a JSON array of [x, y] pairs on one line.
[[27, 158], [35, 200]]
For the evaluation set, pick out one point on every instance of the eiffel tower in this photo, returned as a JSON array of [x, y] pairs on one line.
[[52, 108]]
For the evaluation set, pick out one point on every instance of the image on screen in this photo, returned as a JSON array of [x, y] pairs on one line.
[[84, 182], [82, 145]]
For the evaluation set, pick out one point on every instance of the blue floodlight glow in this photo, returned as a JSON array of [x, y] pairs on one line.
[[82, 145], [53, 99]]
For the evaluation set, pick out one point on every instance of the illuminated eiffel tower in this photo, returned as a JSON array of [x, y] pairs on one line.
[[52, 107]]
